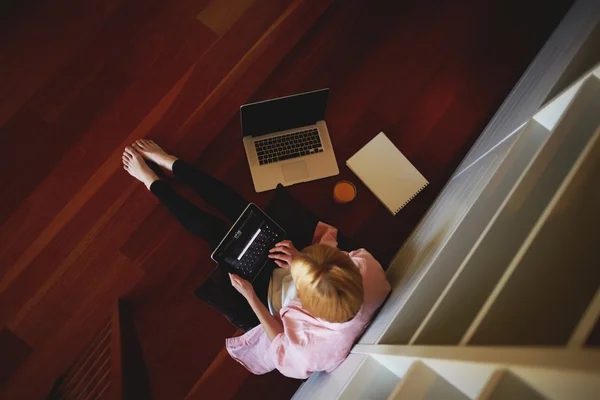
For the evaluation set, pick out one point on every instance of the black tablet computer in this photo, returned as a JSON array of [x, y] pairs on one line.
[[245, 248]]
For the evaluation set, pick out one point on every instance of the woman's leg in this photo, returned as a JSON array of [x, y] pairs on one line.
[[216, 193], [200, 223], [217, 290], [221, 196]]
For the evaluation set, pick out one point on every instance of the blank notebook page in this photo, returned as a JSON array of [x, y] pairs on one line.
[[387, 173]]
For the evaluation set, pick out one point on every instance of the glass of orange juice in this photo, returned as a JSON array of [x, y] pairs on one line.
[[344, 192]]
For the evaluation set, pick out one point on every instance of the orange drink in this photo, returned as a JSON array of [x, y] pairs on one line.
[[344, 192]]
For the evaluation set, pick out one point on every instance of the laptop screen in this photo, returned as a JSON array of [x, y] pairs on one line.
[[235, 244], [284, 113], [248, 241]]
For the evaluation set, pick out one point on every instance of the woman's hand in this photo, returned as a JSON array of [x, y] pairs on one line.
[[241, 285], [284, 253]]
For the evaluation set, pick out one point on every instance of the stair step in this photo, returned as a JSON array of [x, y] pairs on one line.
[[84, 374], [591, 318], [372, 380], [430, 284], [452, 313], [554, 267], [423, 383], [505, 385], [553, 372]]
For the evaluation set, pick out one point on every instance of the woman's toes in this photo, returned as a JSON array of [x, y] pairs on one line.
[[132, 152], [141, 144]]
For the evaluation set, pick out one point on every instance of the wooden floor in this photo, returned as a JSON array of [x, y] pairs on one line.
[[79, 80]]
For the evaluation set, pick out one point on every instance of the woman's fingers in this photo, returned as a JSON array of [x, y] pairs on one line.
[[278, 246], [241, 285], [284, 243], [283, 257], [284, 250], [285, 246], [234, 279]]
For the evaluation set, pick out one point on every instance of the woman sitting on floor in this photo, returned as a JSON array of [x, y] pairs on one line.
[[306, 315]]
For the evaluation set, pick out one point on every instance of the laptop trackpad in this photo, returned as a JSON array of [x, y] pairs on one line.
[[294, 171]]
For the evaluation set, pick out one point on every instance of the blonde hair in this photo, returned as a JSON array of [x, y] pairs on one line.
[[328, 282]]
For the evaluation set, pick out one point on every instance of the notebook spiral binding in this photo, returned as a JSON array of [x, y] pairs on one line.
[[411, 197]]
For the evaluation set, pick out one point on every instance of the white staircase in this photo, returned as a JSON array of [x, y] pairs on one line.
[[422, 382], [476, 373], [509, 315]]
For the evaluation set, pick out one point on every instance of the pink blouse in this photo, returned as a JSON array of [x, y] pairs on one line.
[[310, 344]]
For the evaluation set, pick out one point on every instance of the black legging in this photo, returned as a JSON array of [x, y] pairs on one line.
[[201, 223], [218, 293]]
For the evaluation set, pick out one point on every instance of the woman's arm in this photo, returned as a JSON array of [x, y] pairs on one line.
[[269, 323]]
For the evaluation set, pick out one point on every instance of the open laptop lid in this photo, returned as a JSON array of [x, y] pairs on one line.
[[284, 113]]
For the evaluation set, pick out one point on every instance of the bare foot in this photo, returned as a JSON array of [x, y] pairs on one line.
[[134, 163], [154, 152]]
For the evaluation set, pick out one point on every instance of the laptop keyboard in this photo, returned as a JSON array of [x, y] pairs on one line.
[[288, 146], [246, 266]]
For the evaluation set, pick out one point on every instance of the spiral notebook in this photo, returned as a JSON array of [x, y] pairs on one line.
[[387, 173]]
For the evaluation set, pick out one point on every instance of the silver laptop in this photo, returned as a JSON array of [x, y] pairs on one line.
[[287, 141]]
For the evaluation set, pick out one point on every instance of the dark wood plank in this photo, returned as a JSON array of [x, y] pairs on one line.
[[222, 379], [86, 87], [95, 156], [38, 45], [134, 375], [14, 351], [71, 246], [16, 139], [51, 143]]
